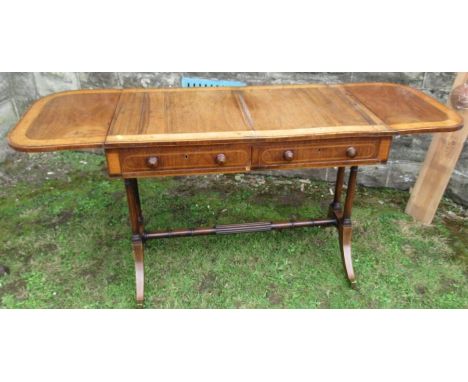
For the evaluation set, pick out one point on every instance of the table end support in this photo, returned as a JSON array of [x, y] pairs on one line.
[[136, 223], [345, 233], [343, 217], [335, 206], [138, 256]]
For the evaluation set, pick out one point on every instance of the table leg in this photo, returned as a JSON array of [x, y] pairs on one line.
[[335, 206], [138, 255], [345, 227], [136, 222]]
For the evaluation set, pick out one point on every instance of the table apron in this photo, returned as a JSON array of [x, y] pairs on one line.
[[174, 160]]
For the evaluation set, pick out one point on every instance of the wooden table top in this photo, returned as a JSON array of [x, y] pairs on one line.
[[132, 117]]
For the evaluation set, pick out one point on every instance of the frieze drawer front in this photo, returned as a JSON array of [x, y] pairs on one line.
[[321, 153], [173, 160]]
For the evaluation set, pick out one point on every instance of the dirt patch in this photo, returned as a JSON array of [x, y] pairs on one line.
[[117, 196], [262, 199], [112, 279], [33, 169], [458, 239], [252, 261], [48, 248], [62, 218], [447, 284], [17, 288], [93, 270], [421, 289], [16, 251], [191, 186], [185, 190], [274, 297], [4, 270], [207, 283], [293, 198]]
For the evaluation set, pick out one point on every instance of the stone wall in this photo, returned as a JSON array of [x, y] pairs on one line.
[[19, 90]]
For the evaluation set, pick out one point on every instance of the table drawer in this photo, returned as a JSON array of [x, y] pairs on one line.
[[175, 160], [321, 153]]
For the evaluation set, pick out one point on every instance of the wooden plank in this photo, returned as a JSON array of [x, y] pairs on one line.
[[288, 109], [441, 158], [168, 113], [68, 120], [404, 109]]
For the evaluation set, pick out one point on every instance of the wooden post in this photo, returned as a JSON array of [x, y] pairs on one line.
[[437, 168]]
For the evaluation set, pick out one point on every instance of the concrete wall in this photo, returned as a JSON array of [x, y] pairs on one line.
[[19, 90]]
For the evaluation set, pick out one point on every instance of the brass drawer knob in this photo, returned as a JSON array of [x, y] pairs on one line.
[[220, 159], [152, 162], [351, 152], [288, 155]]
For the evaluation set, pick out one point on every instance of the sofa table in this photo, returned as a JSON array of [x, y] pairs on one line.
[[165, 132]]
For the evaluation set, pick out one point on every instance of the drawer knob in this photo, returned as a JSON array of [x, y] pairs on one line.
[[220, 159], [152, 162], [351, 152], [288, 155]]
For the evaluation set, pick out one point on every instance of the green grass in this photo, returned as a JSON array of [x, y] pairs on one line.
[[66, 242]]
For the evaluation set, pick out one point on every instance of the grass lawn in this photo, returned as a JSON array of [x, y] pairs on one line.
[[65, 236]]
